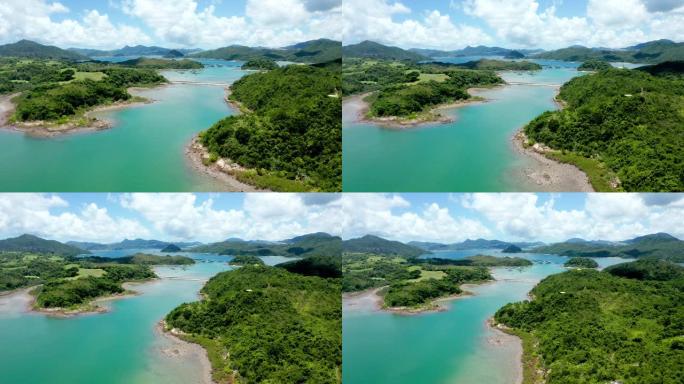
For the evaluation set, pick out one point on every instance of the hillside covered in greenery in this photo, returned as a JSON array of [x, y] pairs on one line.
[[31, 243], [501, 65], [33, 50], [372, 50], [581, 262], [379, 246], [314, 51], [659, 246], [651, 52], [260, 64], [594, 65], [290, 136], [153, 63], [585, 326], [314, 244], [626, 122], [267, 325]]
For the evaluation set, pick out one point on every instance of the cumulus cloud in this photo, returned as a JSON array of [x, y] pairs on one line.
[[387, 216], [375, 20], [272, 23], [32, 19], [36, 214]]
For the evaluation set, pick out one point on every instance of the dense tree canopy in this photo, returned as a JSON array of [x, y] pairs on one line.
[[628, 119], [292, 128], [593, 327], [278, 327]]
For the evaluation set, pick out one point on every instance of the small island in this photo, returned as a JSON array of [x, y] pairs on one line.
[[246, 260], [581, 262], [260, 64], [501, 65], [514, 55], [171, 248], [594, 66], [152, 63], [512, 249]]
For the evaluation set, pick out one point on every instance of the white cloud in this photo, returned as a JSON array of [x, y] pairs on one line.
[[374, 20], [34, 214], [273, 23], [32, 19], [385, 216]]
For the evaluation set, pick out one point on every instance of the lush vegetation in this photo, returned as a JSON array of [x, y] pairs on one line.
[[413, 283], [594, 65], [153, 63], [314, 51], [423, 292], [661, 246], [315, 244], [25, 269], [581, 262], [260, 64], [246, 260], [380, 246], [501, 65], [276, 326], [647, 269], [291, 128], [628, 119], [70, 293], [593, 327], [322, 266], [512, 249], [30, 243]]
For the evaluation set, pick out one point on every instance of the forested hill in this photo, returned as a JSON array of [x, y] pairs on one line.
[[629, 120], [372, 50], [380, 246], [30, 49], [317, 244], [314, 51], [622, 325], [652, 52], [661, 246], [290, 136], [275, 326], [30, 243]]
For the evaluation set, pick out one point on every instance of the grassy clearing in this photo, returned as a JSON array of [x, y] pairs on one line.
[[95, 76], [438, 77], [425, 275], [600, 176]]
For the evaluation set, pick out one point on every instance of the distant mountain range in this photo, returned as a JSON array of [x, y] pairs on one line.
[[659, 245], [31, 49], [314, 51], [315, 244], [651, 52], [138, 50], [31, 243], [474, 244], [130, 244]]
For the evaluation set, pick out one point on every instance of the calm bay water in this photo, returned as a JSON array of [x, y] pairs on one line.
[[119, 346], [473, 153], [451, 347], [144, 151]]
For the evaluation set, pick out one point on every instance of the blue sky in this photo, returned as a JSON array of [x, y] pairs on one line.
[[109, 24], [454, 24], [423, 217]]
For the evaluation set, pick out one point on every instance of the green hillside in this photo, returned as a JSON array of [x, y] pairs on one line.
[[377, 245], [34, 244], [33, 50], [654, 246], [315, 51], [373, 50]]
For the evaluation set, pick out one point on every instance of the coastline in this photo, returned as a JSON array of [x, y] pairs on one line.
[[548, 174], [503, 339], [222, 169], [355, 110], [44, 129], [186, 350]]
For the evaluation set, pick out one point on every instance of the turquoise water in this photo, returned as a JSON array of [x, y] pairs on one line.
[[472, 154], [144, 151], [116, 347], [451, 347]]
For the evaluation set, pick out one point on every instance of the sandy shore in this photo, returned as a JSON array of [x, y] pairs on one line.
[[502, 339], [355, 110], [180, 349], [47, 129], [221, 170], [16, 301], [547, 175]]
